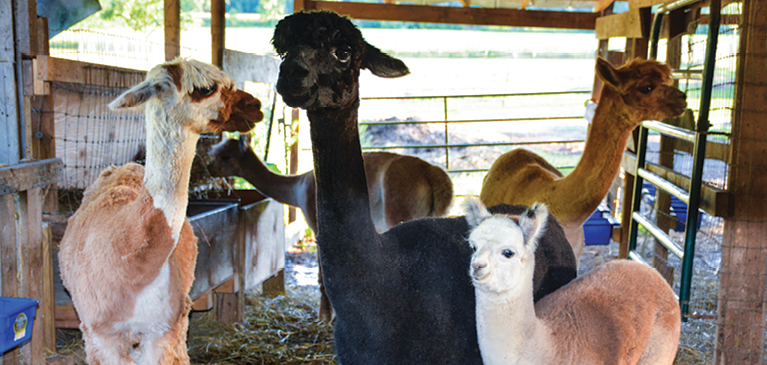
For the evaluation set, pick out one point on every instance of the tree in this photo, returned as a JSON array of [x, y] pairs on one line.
[[140, 15]]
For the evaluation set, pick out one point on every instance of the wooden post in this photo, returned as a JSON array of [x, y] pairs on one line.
[[217, 31], [743, 276], [172, 22], [293, 163], [9, 149], [666, 159], [635, 48]]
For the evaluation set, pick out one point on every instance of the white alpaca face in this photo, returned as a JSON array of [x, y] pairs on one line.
[[501, 256]]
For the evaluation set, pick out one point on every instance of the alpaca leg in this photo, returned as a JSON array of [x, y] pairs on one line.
[[101, 349], [168, 348], [326, 310]]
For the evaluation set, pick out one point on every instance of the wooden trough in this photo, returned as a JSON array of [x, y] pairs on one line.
[[241, 245]]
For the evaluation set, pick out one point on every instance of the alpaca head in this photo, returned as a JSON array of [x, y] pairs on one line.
[[322, 54], [504, 246], [226, 156], [197, 95], [645, 87]]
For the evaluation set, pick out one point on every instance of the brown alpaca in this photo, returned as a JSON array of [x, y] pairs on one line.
[[129, 253], [638, 91], [621, 313], [401, 188]]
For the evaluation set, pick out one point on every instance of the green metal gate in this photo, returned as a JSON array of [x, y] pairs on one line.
[[698, 137]]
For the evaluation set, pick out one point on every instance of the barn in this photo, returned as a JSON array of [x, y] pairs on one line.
[[686, 198]]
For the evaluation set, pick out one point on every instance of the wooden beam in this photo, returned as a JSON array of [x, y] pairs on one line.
[[459, 15], [601, 5], [638, 4], [218, 31], [743, 276], [77, 72], [628, 24], [172, 20], [28, 175], [714, 201]]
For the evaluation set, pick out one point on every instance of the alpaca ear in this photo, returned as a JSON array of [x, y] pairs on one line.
[[244, 142], [383, 65], [607, 73], [533, 223], [135, 96], [475, 212]]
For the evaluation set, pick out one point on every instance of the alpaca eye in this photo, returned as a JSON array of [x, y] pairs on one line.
[[342, 54], [645, 89], [508, 253], [206, 91]]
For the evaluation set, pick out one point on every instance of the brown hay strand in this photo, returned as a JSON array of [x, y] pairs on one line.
[[279, 330]]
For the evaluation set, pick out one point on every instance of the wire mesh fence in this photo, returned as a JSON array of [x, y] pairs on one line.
[[134, 52]]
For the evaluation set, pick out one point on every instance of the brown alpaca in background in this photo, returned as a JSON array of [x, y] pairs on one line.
[[641, 90], [401, 188], [128, 255]]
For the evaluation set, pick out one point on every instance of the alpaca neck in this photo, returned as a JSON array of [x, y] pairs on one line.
[[170, 149], [507, 328], [343, 206], [285, 189], [601, 159]]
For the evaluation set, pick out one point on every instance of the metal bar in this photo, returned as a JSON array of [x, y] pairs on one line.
[[471, 120], [638, 180], [463, 145], [656, 232], [485, 170], [475, 95], [635, 257], [664, 185], [687, 74], [670, 130], [699, 157], [447, 136]]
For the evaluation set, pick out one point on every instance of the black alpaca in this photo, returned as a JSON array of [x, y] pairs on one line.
[[401, 297]]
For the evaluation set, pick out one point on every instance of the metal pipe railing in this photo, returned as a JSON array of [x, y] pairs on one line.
[[447, 122]]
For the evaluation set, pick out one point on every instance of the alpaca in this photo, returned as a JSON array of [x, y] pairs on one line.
[[402, 188], [128, 255], [401, 296], [638, 91], [622, 312]]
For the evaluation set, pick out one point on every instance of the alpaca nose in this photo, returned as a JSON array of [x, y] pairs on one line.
[[292, 70], [478, 268]]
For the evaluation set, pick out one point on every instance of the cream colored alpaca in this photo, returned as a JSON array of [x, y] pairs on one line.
[[128, 255], [620, 313], [638, 91]]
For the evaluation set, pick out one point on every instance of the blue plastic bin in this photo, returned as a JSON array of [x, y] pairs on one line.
[[678, 208], [598, 230], [18, 315]]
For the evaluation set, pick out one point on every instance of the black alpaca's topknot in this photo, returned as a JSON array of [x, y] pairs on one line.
[[317, 29]]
